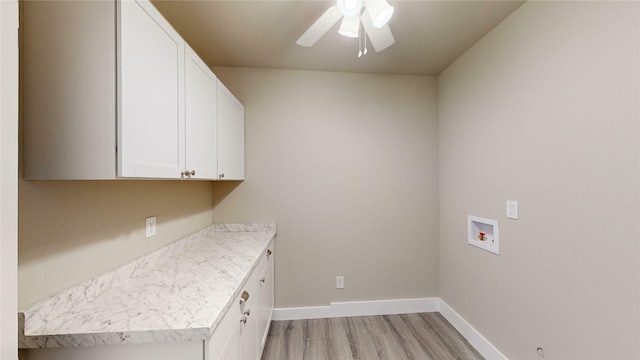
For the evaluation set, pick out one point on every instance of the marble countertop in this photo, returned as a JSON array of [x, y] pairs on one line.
[[177, 293]]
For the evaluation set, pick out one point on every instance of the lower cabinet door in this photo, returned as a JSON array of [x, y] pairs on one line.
[[266, 303], [249, 333], [231, 350], [160, 351]]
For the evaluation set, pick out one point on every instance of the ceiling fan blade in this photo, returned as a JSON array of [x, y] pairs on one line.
[[321, 26], [380, 38]]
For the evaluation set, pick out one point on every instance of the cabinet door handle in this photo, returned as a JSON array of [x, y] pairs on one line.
[[269, 252], [244, 297], [248, 312], [243, 320], [263, 280], [221, 175]]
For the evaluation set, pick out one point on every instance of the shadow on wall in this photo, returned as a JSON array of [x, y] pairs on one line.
[[222, 189], [59, 216]]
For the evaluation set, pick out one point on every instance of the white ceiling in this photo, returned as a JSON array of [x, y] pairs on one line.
[[429, 34]]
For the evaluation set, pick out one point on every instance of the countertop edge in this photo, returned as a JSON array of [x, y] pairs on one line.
[[155, 335]]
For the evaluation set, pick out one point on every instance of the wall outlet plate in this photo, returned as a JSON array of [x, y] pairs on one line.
[[150, 227], [512, 209]]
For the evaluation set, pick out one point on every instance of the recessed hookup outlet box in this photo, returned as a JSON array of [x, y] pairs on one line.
[[483, 233]]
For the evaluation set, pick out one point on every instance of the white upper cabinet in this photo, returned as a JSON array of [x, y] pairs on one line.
[[151, 124], [112, 91], [230, 135], [201, 113]]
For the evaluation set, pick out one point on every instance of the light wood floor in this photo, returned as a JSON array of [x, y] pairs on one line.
[[421, 336]]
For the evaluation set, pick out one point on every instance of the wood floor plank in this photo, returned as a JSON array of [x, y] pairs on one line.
[[315, 349], [314, 328], [276, 327], [421, 336], [402, 334], [432, 344], [338, 344], [285, 341], [294, 328], [272, 347], [385, 347], [435, 320], [454, 342], [363, 339]]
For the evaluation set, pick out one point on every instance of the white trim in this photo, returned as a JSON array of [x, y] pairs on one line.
[[479, 342], [358, 308], [398, 306], [9, 179]]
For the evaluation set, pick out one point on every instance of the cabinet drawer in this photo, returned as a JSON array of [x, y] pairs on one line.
[[266, 258]]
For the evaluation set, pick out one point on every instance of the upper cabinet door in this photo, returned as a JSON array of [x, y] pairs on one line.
[[200, 95], [151, 120], [230, 135]]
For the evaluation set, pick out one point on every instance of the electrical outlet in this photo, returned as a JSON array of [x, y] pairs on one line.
[[339, 282], [150, 227]]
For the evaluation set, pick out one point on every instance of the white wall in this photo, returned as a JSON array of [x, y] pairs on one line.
[[346, 165], [71, 231], [8, 178], [545, 110]]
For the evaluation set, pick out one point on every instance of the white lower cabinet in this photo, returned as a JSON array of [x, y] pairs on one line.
[[248, 335], [266, 306], [231, 349], [240, 335], [163, 351]]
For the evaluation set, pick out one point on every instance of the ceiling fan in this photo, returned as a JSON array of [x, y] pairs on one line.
[[374, 19]]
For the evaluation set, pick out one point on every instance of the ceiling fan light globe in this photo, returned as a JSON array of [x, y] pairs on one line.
[[383, 17], [380, 12], [351, 4], [350, 8], [349, 27]]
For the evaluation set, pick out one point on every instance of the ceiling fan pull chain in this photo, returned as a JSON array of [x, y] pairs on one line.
[[360, 43], [365, 41]]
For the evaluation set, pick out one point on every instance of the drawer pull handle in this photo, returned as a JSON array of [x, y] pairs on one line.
[[244, 297], [263, 280], [269, 252]]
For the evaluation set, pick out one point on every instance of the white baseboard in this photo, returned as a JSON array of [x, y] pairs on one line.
[[399, 306], [358, 308], [479, 342]]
